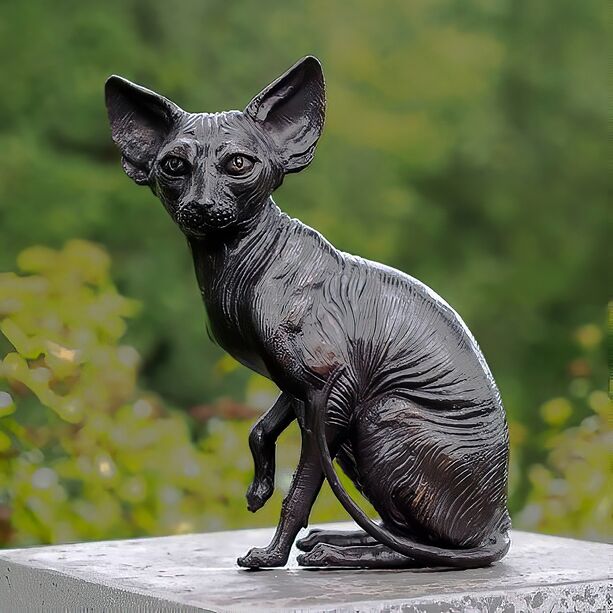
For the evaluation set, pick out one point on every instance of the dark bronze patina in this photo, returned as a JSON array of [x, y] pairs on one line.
[[379, 371]]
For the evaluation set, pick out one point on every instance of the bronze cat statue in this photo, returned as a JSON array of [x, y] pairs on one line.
[[379, 371]]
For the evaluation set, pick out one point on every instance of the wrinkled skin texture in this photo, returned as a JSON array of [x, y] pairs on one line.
[[377, 369]]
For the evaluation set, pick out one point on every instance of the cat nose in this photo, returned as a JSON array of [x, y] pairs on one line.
[[197, 204]]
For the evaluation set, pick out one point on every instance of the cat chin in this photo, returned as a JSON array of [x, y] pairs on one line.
[[207, 230]]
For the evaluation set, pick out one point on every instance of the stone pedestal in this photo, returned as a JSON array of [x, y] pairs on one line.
[[198, 573]]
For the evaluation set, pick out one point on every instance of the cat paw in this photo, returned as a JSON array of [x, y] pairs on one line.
[[258, 493], [262, 557], [322, 554]]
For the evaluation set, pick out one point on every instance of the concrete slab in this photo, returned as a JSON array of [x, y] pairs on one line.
[[198, 573]]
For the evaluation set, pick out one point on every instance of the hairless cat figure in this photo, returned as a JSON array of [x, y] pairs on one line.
[[380, 372]]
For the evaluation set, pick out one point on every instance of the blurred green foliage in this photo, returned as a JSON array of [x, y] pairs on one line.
[[572, 493], [464, 145]]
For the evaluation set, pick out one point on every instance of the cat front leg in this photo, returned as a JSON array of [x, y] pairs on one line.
[[262, 442]]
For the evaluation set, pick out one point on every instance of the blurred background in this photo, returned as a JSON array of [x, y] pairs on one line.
[[464, 144]]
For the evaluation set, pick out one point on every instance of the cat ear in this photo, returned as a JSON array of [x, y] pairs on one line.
[[292, 111], [140, 121]]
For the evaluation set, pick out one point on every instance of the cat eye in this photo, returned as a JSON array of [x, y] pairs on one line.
[[239, 164], [174, 166]]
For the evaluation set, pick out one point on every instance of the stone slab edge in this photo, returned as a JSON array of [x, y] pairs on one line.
[[28, 588], [593, 597]]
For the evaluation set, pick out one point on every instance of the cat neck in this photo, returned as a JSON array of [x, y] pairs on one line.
[[221, 258]]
